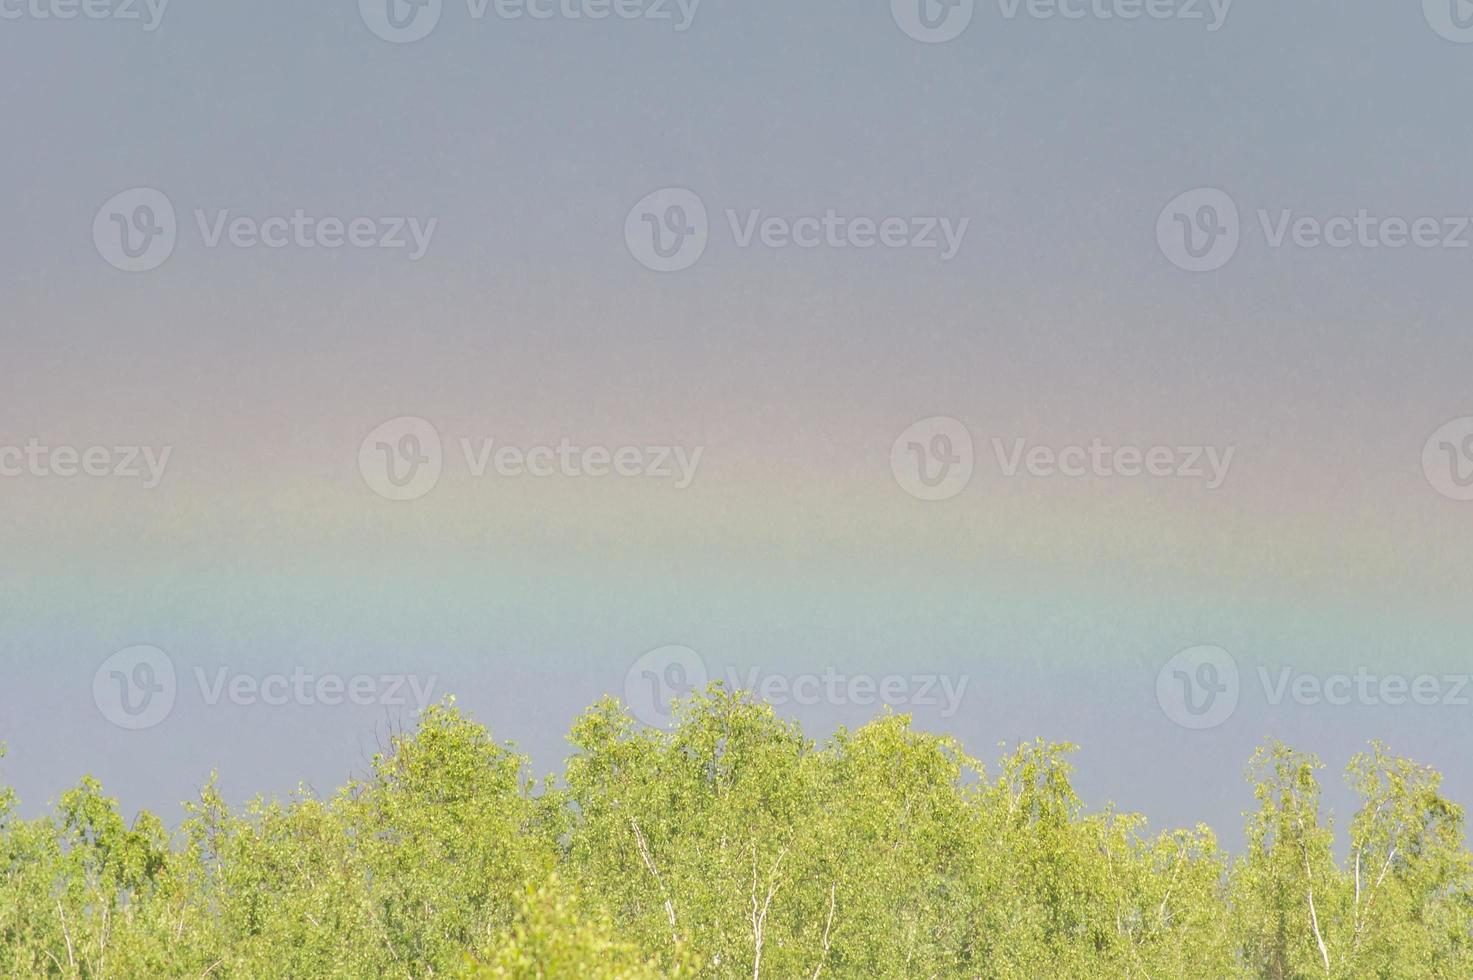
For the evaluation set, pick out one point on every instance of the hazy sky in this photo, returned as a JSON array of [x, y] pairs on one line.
[[1068, 158]]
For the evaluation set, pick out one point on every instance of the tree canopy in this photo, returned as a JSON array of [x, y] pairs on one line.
[[729, 845]]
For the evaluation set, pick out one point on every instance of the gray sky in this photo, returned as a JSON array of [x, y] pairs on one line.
[[495, 168]]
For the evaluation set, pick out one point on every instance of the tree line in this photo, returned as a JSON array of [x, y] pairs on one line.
[[729, 845]]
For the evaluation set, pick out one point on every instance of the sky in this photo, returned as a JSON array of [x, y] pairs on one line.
[[535, 359]]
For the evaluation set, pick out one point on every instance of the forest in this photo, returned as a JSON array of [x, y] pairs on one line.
[[730, 845]]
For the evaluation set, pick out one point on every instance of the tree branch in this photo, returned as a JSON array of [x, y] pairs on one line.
[[826, 926], [649, 862]]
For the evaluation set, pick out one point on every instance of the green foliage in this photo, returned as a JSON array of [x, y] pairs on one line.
[[731, 846], [558, 937]]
